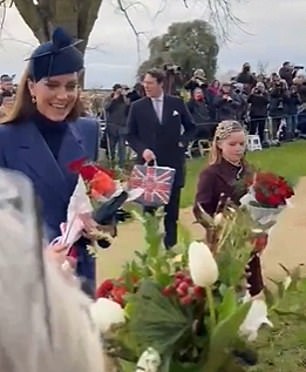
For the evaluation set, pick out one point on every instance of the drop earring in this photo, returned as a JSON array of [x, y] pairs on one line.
[[34, 100]]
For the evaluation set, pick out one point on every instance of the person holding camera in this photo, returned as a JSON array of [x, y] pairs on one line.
[[258, 102], [116, 107], [278, 95], [227, 104], [246, 78], [289, 72], [198, 80], [199, 110]]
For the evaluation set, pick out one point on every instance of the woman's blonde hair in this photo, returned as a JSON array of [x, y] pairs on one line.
[[224, 129], [24, 107], [44, 321]]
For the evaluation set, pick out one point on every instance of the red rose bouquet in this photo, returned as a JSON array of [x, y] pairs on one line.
[[268, 195], [271, 191]]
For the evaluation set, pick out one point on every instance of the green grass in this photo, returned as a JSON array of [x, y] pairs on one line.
[[289, 160], [283, 348]]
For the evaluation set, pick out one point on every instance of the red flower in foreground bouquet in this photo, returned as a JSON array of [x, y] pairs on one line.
[[99, 180], [271, 190], [115, 290]]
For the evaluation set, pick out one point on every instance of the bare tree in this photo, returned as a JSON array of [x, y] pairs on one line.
[[125, 10], [77, 16], [219, 13]]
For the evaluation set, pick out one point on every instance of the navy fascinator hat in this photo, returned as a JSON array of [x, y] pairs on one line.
[[58, 56]]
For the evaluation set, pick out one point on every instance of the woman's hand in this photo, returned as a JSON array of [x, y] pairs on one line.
[[57, 253]]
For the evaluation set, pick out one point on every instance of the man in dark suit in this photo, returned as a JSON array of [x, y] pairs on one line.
[[160, 128]]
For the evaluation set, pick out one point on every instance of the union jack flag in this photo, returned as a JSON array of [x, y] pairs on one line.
[[156, 181]]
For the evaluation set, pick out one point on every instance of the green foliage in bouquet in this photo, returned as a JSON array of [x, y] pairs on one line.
[[191, 309]]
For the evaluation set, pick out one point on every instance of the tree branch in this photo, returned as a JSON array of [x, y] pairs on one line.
[[137, 34]]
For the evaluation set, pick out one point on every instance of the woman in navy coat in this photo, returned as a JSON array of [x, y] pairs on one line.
[[44, 134]]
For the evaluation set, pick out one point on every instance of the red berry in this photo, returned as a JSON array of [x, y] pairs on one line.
[[182, 289], [188, 280], [186, 300], [198, 292], [180, 275], [168, 291]]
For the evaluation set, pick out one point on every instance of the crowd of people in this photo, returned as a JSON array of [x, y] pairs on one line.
[[251, 99], [274, 107], [42, 134]]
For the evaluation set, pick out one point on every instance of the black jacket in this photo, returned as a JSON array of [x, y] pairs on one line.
[[146, 132]]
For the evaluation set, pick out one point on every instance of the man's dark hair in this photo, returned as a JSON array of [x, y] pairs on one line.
[[157, 74]]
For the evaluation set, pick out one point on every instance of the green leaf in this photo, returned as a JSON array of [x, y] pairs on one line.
[[224, 336], [178, 367], [126, 366], [153, 235], [184, 235], [159, 322], [269, 297], [280, 288], [228, 304]]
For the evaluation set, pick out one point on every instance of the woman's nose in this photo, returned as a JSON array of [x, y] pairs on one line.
[[62, 93]]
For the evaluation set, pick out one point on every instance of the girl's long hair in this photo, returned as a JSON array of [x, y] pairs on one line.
[[24, 108], [223, 130]]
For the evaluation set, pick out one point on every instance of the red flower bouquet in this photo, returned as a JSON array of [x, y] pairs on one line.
[[268, 195], [94, 205], [271, 191], [99, 181]]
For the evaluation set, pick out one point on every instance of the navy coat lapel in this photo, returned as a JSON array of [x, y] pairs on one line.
[[36, 155], [71, 149]]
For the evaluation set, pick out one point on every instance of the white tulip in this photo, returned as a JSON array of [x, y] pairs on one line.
[[256, 317], [106, 313], [202, 265]]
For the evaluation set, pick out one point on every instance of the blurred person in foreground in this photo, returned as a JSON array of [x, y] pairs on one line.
[[45, 321]]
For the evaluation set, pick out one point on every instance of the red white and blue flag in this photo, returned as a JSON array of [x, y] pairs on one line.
[[155, 181]]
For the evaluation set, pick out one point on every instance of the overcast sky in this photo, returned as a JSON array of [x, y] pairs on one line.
[[274, 32]]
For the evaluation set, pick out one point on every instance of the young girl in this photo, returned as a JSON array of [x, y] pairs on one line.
[[218, 181]]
